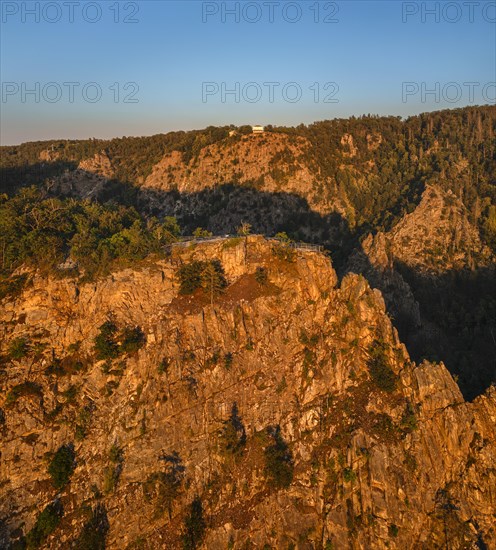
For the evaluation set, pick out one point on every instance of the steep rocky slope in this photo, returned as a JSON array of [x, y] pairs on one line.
[[435, 238], [271, 162], [428, 266], [337, 439]]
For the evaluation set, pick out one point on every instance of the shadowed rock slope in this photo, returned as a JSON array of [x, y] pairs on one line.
[[438, 281], [282, 413]]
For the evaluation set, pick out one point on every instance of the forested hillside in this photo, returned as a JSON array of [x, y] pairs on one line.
[[98, 205], [377, 166]]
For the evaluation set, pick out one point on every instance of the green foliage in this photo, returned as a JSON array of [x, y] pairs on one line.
[[164, 365], [310, 341], [94, 532], [282, 385], [278, 460], [194, 525], [19, 348], [349, 475], [199, 232], [132, 338], [110, 479], [206, 275], [244, 229], [83, 421], [488, 226], [116, 454], [393, 530], [46, 523], [384, 427], [190, 276], [228, 361], [106, 346], [70, 393], [400, 156], [408, 422], [233, 434], [283, 237], [107, 341], [55, 368], [43, 232], [380, 371], [113, 470], [283, 249], [21, 390], [132, 158], [232, 242], [414, 151], [12, 286], [62, 465]]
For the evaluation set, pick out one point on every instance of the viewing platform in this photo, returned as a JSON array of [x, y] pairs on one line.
[[302, 246]]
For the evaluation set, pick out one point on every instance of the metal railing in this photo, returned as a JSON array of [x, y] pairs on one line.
[[304, 247]]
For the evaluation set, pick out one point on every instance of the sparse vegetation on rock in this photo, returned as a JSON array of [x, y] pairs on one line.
[[113, 470], [278, 460], [233, 434], [194, 526], [62, 465], [45, 525], [380, 371], [19, 348], [94, 532]]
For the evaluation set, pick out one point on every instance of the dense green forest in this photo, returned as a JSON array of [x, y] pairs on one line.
[[454, 149], [42, 232], [381, 174]]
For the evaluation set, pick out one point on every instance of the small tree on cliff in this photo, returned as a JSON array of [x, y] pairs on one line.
[[194, 524], [213, 278], [94, 532], [233, 434], [244, 229], [278, 460]]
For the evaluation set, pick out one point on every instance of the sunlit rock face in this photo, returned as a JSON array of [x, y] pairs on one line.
[[336, 440]]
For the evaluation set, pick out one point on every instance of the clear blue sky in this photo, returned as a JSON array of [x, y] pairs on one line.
[[176, 46]]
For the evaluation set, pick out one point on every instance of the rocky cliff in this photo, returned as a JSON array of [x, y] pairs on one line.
[[271, 162], [435, 238], [283, 412], [432, 269]]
